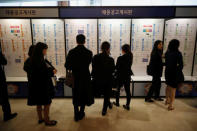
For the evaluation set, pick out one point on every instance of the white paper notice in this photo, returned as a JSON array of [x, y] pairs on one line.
[[144, 33], [51, 32], [185, 31], [88, 27], [15, 38], [116, 32]]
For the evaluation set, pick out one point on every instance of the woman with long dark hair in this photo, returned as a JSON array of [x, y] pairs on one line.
[[102, 68], [156, 67], [173, 72], [124, 72], [40, 83]]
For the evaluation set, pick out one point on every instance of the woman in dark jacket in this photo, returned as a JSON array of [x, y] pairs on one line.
[[156, 67], [173, 72], [102, 68], [124, 72], [39, 79], [27, 68]]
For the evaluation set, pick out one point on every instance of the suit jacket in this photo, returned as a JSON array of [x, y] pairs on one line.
[[156, 64], [102, 68], [123, 66]]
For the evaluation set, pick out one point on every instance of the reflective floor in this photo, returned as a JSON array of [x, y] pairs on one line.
[[142, 117]]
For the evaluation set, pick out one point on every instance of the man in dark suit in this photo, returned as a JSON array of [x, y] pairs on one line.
[[4, 92], [78, 61]]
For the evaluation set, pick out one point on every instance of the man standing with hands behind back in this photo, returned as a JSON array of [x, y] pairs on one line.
[[4, 92]]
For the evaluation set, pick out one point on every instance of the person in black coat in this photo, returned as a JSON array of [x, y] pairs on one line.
[[78, 61], [173, 72], [102, 68], [124, 72], [156, 66], [39, 79], [4, 101], [27, 67]]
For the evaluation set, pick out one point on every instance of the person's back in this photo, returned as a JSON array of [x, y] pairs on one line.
[[173, 72], [123, 75], [103, 67], [172, 59], [78, 61], [123, 66]]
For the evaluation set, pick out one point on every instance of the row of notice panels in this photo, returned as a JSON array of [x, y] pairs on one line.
[[16, 35]]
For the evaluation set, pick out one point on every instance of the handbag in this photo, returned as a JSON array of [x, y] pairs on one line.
[[69, 81], [180, 76], [149, 70], [54, 81]]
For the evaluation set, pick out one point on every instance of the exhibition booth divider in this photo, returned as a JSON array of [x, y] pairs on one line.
[[139, 27]]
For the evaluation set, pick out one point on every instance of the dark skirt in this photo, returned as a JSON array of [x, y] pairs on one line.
[[40, 97], [174, 78]]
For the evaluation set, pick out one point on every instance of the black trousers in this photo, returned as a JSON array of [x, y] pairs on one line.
[[155, 88], [5, 100], [105, 89], [126, 84], [78, 109], [106, 101]]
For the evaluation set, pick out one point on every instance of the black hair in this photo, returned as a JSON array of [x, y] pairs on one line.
[[31, 49], [126, 48], [173, 45], [38, 56], [155, 47], [80, 39], [105, 46]]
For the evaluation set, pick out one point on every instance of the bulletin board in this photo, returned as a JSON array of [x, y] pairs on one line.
[[183, 30], [88, 27], [144, 33], [51, 32], [116, 32], [15, 38]]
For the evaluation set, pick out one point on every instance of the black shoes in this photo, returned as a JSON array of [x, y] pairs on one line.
[[110, 105], [79, 116], [9, 117], [149, 100], [76, 118], [116, 104], [104, 113], [159, 99], [40, 121], [126, 107], [51, 123]]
